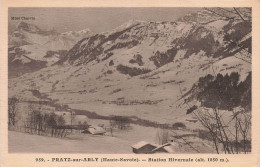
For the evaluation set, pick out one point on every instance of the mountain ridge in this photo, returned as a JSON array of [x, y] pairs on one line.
[[204, 38], [142, 68], [28, 40]]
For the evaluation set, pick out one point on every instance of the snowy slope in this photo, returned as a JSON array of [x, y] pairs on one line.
[[142, 68], [30, 45]]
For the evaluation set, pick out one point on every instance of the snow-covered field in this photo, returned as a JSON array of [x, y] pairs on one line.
[[121, 142], [87, 144]]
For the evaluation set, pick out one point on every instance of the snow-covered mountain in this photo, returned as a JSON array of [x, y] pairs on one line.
[[142, 68], [162, 42], [31, 48]]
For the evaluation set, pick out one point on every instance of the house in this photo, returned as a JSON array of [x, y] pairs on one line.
[[95, 130], [143, 147], [165, 148]]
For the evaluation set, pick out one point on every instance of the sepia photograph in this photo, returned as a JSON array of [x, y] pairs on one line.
[[130, 80]]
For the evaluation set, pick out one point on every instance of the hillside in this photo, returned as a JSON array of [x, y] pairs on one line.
[[31, 48], [140, 68]]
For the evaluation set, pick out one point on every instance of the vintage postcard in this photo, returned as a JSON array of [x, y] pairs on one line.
[[114, 83]]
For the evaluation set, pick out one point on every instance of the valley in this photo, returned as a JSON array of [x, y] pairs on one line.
[[144, 71]]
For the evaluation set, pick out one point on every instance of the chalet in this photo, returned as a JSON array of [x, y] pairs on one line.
[[166, 148], [95, 130], [143, 147], [147, 148]]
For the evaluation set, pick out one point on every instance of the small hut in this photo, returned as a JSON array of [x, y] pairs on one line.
[[95, 130], [166, 148], [143, 147]]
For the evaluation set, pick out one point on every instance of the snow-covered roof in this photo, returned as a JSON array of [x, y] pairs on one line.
[[167, 147], [141, 144], [96, 130]]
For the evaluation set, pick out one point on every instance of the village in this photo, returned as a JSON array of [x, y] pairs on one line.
[[68, 125]]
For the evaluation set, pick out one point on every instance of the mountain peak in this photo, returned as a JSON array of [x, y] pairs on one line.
[[128, 24], [28, 27], [132, 22], [201, 16]]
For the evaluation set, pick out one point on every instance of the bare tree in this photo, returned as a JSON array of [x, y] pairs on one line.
[[112, 125], [121, 122], [234, 13], [52, 123], [61, 121], [12, 110], [242, 125], [35, 119], [85, 123], [72, 117]]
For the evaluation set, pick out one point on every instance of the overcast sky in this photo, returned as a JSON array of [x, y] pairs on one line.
[[96, 19]]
